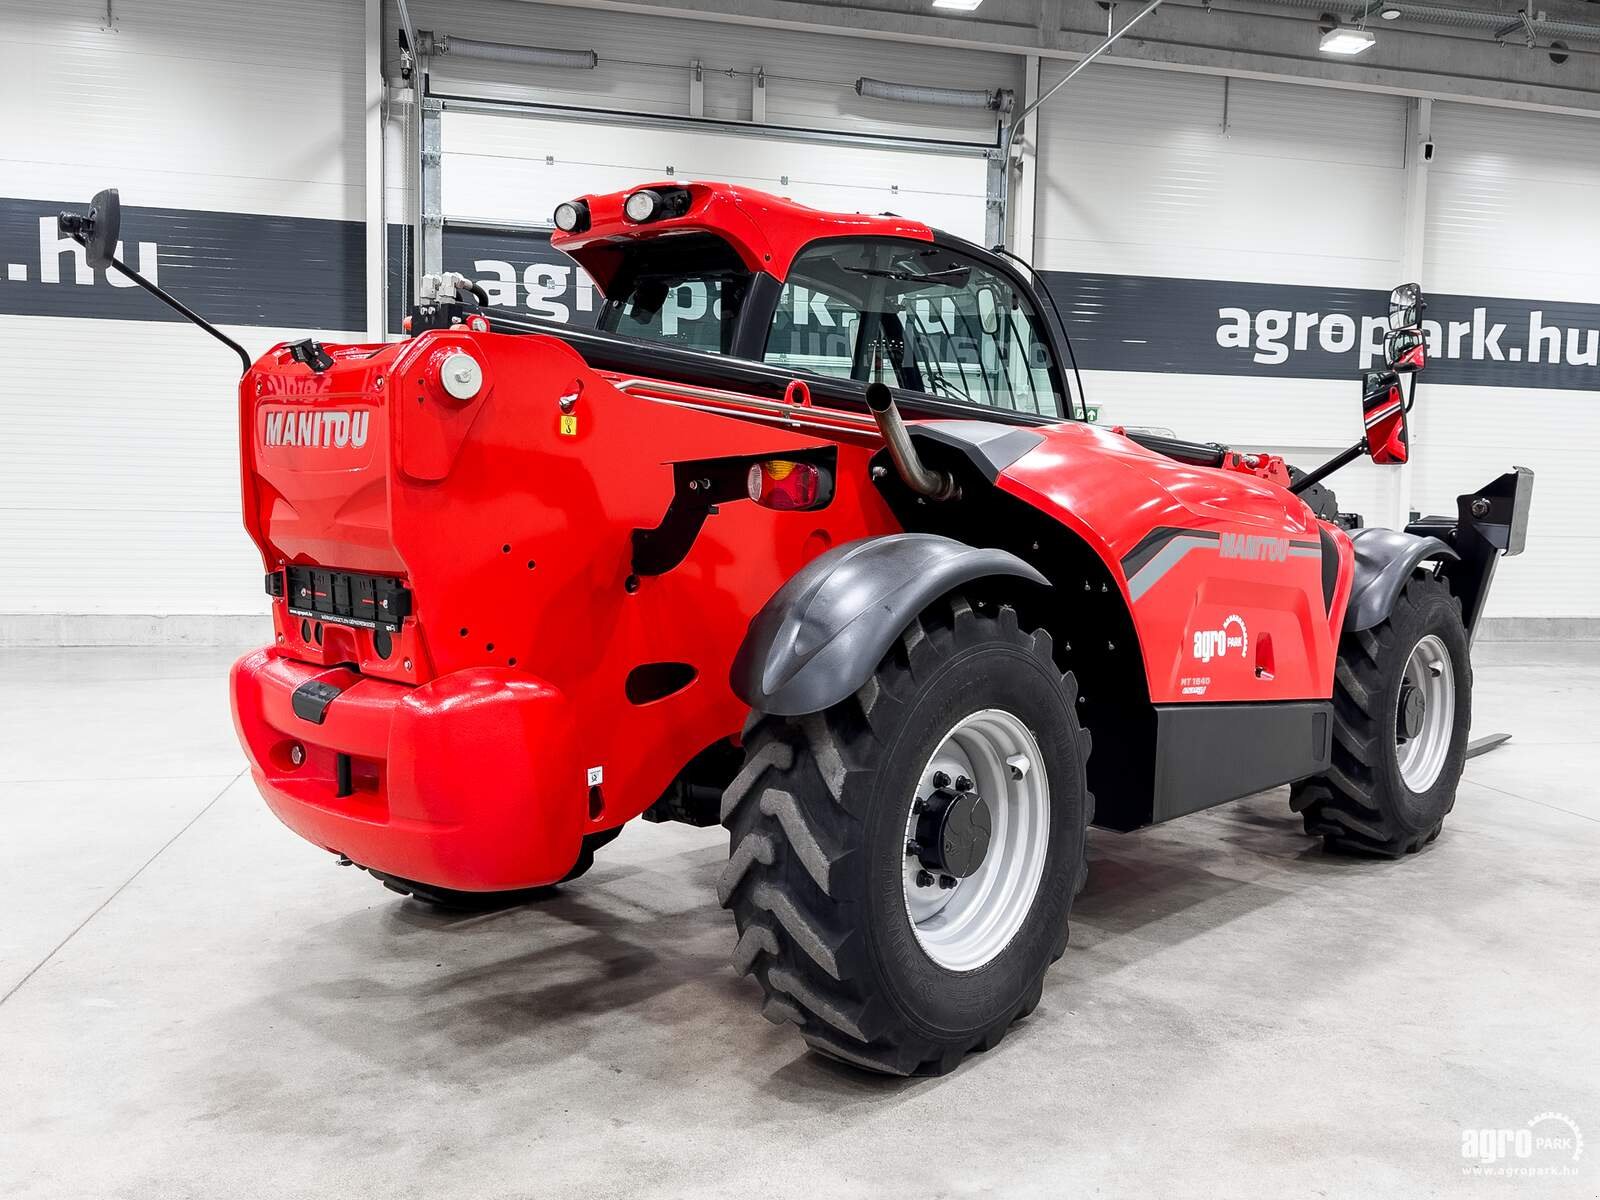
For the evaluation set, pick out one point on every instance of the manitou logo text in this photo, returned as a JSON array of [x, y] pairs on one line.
[[336, 428], [1255, 548], [1217, 643]]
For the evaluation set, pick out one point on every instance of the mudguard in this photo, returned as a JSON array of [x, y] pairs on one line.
[[1384, 560], [825, 630]]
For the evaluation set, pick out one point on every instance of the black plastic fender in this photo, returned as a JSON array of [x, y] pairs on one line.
[[1384, 561], [825, 630]]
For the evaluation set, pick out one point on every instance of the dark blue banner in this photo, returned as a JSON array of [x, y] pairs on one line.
[[299, 273], [232, 268], [1209, 327]]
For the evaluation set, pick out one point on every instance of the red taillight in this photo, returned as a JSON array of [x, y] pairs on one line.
[[782, 484]]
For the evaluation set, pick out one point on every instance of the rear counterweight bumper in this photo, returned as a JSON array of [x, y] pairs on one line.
[[469, 782]]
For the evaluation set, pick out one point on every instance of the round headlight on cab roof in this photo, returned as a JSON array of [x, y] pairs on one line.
[[573, 216], [642, 205]]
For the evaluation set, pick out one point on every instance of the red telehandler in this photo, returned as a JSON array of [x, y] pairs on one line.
[[810, 537]]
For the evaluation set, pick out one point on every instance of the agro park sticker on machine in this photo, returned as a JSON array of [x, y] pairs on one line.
[[1217, 643], [302, 273], [1230, 638]]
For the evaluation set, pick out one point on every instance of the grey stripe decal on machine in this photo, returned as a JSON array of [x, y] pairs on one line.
[[1158, 552], [1163, 548]]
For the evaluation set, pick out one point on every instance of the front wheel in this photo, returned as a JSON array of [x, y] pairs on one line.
[[902, 865], [1402, 706]]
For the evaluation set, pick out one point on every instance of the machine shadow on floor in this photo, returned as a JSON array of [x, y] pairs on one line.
[[438, 993]]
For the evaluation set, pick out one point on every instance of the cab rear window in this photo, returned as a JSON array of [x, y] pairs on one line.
[[685, 290]]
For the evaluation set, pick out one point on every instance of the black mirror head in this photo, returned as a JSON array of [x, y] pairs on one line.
[[98, 231], [1405, 306], [105, 216]]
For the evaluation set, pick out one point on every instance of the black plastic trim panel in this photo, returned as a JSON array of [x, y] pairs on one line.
[[1209, 754], [990, 446]]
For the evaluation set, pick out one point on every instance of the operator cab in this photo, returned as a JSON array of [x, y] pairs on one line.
[[837, 300]]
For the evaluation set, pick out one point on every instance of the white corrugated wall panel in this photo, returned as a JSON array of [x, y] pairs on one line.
[[119, 477], [119, 484], [1137, 175], [645, 61], [1513, 199], [219, 104], [1514, 204], [514, 168]]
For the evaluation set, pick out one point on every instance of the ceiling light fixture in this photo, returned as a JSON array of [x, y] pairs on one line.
[[1348, 41], [1390, 13], [958, 5], [999, 100]]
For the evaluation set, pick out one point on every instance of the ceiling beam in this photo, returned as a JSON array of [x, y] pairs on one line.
[[1250, 38]]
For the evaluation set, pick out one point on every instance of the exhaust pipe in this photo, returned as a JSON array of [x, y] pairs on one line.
[[936, 485]]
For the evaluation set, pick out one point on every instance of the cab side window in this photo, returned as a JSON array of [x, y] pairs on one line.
[[918, 316]]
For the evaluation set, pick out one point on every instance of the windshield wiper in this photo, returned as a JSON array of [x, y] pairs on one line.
[[949, 273]]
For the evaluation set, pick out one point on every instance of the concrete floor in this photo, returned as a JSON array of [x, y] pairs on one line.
[[198, 1004]]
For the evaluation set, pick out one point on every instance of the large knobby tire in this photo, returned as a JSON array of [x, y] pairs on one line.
[[820, 869], [1389, 789]]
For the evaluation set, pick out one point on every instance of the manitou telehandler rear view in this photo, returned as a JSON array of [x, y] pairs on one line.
[[811, 537]]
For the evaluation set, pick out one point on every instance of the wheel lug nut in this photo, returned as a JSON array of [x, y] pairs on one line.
[[912, 849], [941, 780], [963, 784], [947, 882], [918, 805], [924, 879]]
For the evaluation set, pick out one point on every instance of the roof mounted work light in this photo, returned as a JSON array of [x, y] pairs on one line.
[[573, 216], [656, 204]]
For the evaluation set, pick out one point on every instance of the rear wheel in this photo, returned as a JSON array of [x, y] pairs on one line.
[[902, 865], [1402, 708]]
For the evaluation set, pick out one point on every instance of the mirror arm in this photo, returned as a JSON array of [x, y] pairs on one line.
[[174, 303], [1342, 459]]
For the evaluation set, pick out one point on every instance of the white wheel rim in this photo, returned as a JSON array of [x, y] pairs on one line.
[[1421, 757], [963, 927]]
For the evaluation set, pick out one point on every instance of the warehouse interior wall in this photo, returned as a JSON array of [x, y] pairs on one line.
[[119, 476], [1191, 226]]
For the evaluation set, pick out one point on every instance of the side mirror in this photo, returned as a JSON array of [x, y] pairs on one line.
[[98, 231], [1383, 411], [106, 213], [1405, 306], [1405, 350]]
